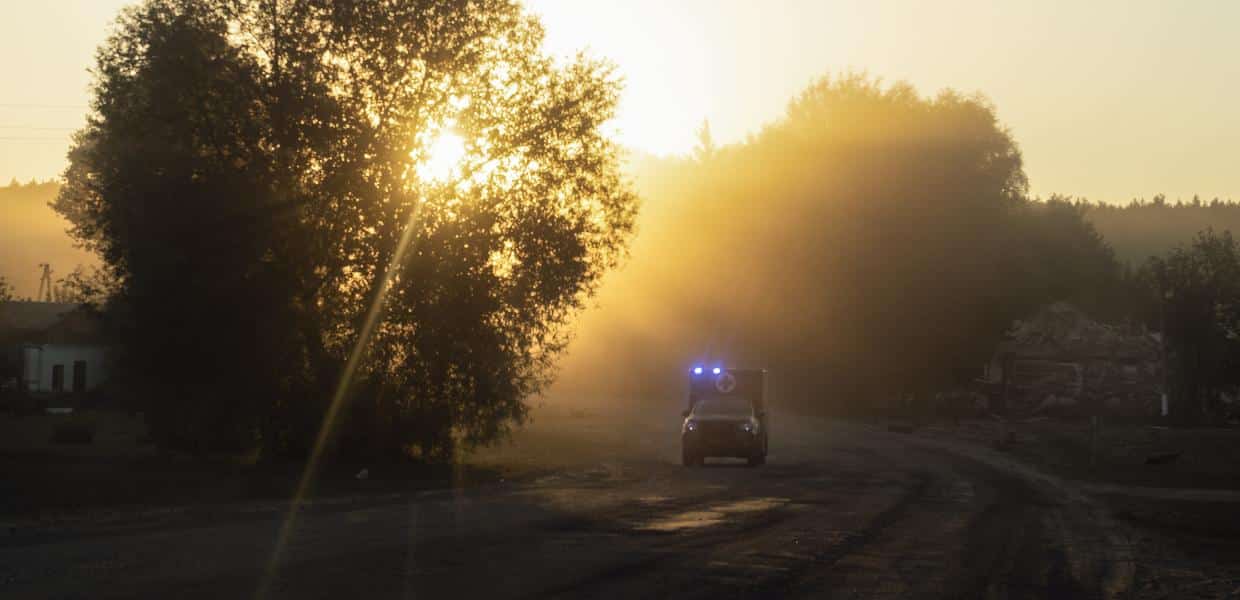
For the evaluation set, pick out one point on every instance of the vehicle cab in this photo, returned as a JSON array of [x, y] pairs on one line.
[[726, 415]]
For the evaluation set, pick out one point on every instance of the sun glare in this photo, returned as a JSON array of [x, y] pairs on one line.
[[443, 156]]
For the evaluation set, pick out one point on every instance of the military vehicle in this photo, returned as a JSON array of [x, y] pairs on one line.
[[726, 416]]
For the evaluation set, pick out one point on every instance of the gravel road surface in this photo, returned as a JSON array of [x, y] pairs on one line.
[[840, 511]]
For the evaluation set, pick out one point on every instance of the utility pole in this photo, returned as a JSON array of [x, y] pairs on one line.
[[45, 283]]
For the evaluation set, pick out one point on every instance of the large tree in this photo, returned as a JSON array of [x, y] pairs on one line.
[[276, 182], [871, 242], [1196, 301]]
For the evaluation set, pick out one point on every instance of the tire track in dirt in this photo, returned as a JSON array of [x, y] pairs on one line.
[[765, 554], [1038, 536]]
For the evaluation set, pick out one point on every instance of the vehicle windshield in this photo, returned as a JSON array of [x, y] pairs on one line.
[[723, 406]]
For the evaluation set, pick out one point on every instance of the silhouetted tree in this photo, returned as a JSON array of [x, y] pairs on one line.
[[705, 149], [6, 290], [1062, 256], [92, 287], [1198, 289], [255, 173], [872, 242]]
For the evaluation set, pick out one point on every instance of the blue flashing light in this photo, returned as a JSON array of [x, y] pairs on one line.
[[718, 370], [697, 370]]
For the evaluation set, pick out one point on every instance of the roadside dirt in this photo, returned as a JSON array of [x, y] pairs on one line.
[[1184, 541], [602, 509]]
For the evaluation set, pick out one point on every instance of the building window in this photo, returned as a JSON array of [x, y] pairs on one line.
[[58, 378], [79, 376]]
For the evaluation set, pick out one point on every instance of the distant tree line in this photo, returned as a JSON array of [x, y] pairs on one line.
[[34, 189], [31, 233], [1145, 228]]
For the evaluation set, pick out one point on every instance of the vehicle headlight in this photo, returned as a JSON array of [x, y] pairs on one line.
[[690, 426], [749, 427]]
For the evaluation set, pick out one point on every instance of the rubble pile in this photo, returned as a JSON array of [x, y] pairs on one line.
[[1060, 360], [1064, 327]]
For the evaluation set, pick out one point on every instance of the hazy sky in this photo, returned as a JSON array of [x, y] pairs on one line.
[[1108, 99]]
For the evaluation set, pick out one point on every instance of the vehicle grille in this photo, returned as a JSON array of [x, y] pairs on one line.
[[719, 430]]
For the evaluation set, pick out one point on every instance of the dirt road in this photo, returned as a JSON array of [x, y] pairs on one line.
[[841, 511]]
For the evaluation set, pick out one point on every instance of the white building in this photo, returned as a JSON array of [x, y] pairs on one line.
[[51, 348]]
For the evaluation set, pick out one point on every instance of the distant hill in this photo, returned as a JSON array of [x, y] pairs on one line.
[[32, 233], [1142, 229]]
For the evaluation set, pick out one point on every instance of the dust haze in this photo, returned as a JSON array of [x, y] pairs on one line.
[[869, 242]]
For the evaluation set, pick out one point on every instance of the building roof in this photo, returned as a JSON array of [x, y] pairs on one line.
[[25, 315], [29, 322]]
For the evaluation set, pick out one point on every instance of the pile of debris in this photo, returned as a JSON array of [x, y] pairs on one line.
[[1062, 361], [1061, 327]]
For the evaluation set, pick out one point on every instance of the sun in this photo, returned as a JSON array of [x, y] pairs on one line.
[[443, 156]]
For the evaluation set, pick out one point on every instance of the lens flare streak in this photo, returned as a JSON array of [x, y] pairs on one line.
[[373, 316]]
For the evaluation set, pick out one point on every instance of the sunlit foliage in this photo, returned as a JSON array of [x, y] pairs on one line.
[[250, 166]]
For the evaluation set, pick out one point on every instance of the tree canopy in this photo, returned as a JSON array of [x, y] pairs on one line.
[[257, 175], [871, 242], [1195, 297]]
